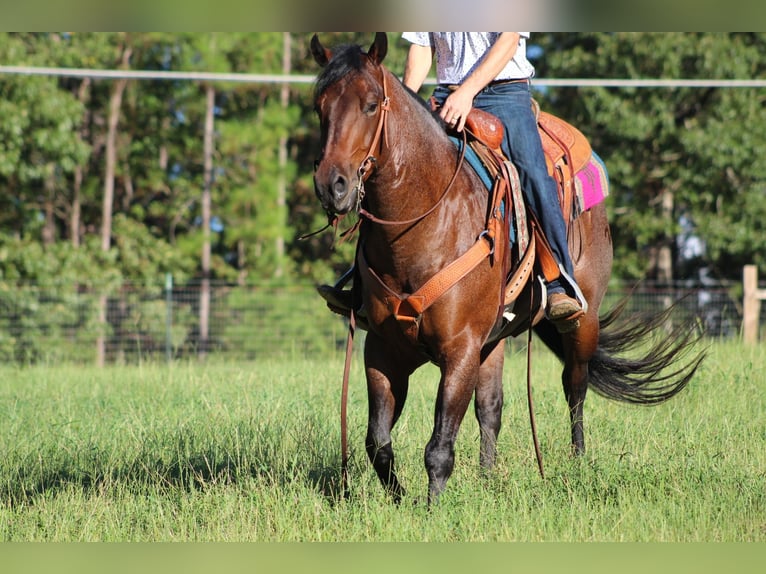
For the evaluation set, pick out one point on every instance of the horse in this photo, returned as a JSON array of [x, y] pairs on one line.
[[387, 156]]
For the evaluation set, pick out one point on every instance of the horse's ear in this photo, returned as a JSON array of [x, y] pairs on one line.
[[379, 47], [321, 54]]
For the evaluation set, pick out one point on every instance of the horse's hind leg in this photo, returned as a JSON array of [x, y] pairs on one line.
[[488, 404], [579, 347], [387, 384], [575, 350]]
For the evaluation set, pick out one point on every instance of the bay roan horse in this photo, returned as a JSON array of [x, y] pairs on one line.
[[387, 156]]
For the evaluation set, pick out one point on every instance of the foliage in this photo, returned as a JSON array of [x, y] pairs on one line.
[[696, 147], [287, 324], [53, 321], [47, 306]]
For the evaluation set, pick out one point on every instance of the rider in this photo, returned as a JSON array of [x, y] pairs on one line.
[[490, 71]]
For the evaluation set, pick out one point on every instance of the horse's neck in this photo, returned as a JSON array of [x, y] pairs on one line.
[[417, 162], [413, 177]]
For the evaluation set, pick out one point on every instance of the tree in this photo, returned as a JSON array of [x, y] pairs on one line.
[[41, 147]]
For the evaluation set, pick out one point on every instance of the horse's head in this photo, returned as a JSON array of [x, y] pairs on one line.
[[351, 102]]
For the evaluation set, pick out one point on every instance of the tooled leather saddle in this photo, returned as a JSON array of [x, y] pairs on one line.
[[567, 151]]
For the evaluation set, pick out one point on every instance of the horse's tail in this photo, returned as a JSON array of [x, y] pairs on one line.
[[665, 367]]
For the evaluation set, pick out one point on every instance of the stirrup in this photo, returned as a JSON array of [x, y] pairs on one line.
[[338, 300]]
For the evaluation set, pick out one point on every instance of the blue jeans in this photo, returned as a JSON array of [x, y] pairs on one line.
[[512, 104]]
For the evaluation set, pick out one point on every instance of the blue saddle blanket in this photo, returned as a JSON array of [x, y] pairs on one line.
[[477, 165], [474, 161]]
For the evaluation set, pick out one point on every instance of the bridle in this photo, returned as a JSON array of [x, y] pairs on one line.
[[368, 165], [370, 162]]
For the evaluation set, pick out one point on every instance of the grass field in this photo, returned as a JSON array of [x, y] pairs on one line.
[[250, 452]]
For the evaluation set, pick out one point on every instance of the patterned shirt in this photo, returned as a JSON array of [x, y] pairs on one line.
[[458, 53]]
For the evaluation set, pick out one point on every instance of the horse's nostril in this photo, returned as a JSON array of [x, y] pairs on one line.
[[339, 186]]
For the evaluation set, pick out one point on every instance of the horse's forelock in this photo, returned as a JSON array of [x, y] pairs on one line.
[[350, 58], [346, 59]]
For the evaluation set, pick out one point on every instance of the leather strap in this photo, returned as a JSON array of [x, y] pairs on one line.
[[548, 264], [408, 309]]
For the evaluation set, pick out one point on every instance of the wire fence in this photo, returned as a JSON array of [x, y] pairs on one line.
[[53, 324]]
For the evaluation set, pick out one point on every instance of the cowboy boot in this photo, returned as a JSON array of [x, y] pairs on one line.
[[564, 312]]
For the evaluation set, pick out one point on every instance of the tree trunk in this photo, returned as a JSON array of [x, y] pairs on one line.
[[284, 100], [49, 226], [79, 171], [204, 303], [115, 104], [665, 254], [74, 217], [242, 275]]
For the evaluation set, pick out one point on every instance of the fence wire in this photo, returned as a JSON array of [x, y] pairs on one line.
[[53, 324]]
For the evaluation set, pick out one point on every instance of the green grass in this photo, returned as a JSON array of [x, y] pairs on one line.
[[250, 452]]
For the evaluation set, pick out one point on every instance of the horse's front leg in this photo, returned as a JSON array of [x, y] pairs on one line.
[[387, 385], [488, 405], [460, 376]]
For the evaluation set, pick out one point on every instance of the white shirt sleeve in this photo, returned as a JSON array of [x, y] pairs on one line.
[[418, 38]]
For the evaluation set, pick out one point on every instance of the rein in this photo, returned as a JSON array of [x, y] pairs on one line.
[[364, 213], [344, 407]]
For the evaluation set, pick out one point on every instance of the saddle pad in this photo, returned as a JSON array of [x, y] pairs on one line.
[[474, 162], [561, 140], [481, 170], [591, 185]]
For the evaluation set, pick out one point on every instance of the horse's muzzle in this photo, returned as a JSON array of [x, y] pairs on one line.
[[335, 191]]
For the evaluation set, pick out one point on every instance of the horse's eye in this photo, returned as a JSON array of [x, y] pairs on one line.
[[371, 108]]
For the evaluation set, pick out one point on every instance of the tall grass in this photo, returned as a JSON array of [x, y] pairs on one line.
[[249, 452]]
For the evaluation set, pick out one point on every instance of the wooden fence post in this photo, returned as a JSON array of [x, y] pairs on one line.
[[751, 305]]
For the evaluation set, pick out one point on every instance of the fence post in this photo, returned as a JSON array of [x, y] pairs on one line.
[[751, 304], [168, 317]]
